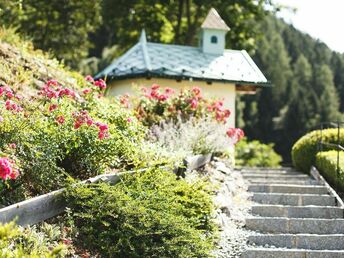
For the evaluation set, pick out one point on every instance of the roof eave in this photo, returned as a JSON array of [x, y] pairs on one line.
[[149, 74]]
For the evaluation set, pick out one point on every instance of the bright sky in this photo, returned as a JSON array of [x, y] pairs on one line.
[[321, 19]]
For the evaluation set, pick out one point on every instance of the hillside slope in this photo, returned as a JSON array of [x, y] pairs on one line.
[[25, 69]]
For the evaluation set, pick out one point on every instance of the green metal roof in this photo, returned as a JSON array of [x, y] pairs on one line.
[[147, 59]]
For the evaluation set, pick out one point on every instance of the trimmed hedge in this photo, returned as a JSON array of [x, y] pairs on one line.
[[305, 149], [326, 162]]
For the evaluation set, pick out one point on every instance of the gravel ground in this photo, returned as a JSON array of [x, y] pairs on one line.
[[233, 206]]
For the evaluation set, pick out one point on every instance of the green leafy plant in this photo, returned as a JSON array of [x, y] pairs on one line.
[[256, 154], [150, 214], [19, 242], [305, 149], [326, 163]]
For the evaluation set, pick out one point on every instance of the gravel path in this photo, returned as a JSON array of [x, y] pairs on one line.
[[233, 206]]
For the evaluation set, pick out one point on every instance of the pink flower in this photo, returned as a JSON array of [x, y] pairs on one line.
[[100, 83], [129, 120], [86, 91], [9, 94], [89, 78], [6, 169], [194, 103], [52, 107], [163, 97], [52, 83], [102, 135], [12, 145], [2, 90], [155, 87], [102, 127], [196, 91], [60, 120], [89, 122], [169, 91], [1, 119], [236, 134]]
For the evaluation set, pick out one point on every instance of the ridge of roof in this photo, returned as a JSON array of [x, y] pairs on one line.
[[214, 21]]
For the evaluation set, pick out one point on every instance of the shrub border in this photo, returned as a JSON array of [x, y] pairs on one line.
[[48, 205]]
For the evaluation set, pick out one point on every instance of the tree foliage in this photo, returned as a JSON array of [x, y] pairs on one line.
[[59, 26]]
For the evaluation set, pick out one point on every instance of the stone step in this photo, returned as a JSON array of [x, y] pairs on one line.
[[291, 173], [260, 252], [276, 188], [296, 225], [327, 212], [299, 241], [294, 199], [284, 182], [277, 176]]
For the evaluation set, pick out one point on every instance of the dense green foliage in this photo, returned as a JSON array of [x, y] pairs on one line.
[[326, 163], [305, 149], [61, 27], [256, 154], [308, 86], [17, 242], [150, 214]]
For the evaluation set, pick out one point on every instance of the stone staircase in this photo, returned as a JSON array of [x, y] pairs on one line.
[[293, 216]]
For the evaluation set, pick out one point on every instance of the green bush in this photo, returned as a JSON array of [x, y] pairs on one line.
[[151, 214], [256, 154], [326, 163], [18, 242], [305, 149]]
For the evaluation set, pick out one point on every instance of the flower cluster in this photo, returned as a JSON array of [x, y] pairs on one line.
[[97, 83], [53, 90], [10, 105], [83, 118], [7, 169], [156, 104], [235, 133]]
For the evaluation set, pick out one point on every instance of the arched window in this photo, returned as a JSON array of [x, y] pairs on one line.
[[213, 39]]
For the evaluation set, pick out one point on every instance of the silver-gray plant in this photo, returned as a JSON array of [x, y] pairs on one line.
[[194, 136]]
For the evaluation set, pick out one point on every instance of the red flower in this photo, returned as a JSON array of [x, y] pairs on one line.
[[53, 107], [100, 83], [60, 120]]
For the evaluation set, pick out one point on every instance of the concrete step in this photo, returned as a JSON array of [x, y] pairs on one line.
[[260, 252], [299, 241], [284, 182], [296, 225], [294, 199], [277, 176], [265, 172], [327, 212], [277, 188]]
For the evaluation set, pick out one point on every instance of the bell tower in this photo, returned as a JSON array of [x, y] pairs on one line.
[[213, 33]]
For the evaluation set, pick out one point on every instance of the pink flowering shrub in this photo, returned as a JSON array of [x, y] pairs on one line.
[[155, 105], [62, 134]]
